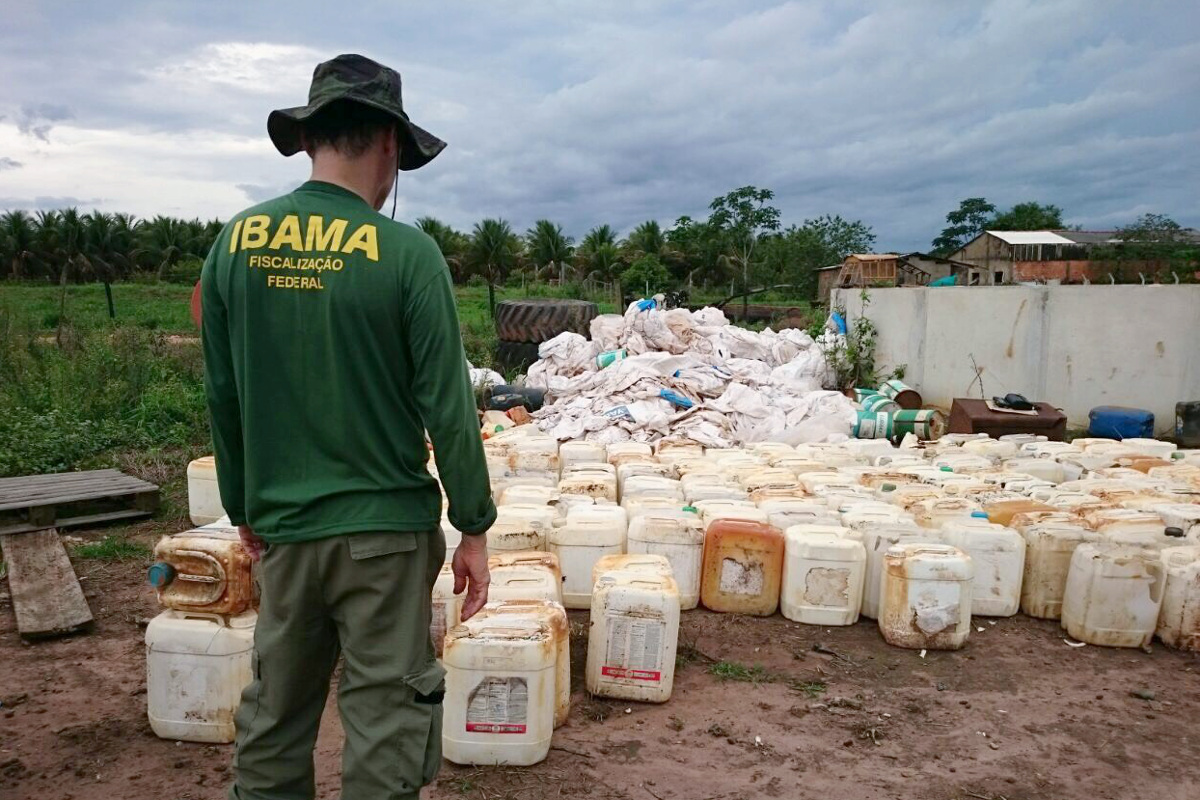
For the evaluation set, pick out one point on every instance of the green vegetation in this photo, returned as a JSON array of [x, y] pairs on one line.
[[112, 548], [733, 671], [812, 689]]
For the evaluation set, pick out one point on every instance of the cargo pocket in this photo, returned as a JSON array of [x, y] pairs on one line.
[[429, 689], [370, 545]]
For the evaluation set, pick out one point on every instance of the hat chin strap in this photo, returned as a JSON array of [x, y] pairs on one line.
[[396, 182]]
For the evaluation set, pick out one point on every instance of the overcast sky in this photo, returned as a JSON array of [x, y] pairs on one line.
[[592, 112]]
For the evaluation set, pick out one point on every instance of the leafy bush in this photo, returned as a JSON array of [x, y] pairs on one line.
[[646, 274]]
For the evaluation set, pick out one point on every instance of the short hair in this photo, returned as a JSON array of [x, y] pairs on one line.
[[346, 126]]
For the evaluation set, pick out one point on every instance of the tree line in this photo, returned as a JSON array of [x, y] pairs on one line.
[[740, 244]]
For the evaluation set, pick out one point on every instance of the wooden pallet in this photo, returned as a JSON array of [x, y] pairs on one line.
[[71, 499], [46, 596]]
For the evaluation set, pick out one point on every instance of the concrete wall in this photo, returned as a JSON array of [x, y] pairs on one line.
[[1074, 346]]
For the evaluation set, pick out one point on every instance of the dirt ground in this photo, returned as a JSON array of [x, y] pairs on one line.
[[832, 713]]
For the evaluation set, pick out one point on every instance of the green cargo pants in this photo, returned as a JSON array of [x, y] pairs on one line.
[[366, 595]]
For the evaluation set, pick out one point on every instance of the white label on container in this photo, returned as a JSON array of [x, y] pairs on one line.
[[635, 648], [498, 705], [825, 586], [740, 578]]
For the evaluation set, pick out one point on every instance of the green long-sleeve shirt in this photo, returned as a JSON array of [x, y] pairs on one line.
[[331, 343]]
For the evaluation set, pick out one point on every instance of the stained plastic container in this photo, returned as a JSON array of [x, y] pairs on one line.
[[554, 616], [622, 452], [637, 487], [204, 570], [574, 453], [453, 538], [876, 542], [529, 559], [1048, 550], [634, 636], [501, 682], [742, 568], [679, 538], [522, 582], [1114, 594], [1179, 618], [1152, 447], [589, 533], [712, 510], [1044, 468], [990, 449], [823, 575], [633, 562], [786, 512], [926, 597], [446, 608], [938, 512], [1001, 512], [528, 495], [701, 492], [1185, 516], [520, 527], [204, 498], [196, 668], [998, 555]]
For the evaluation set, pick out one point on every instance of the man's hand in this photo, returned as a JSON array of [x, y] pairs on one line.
[[252, 542], [471, 573]]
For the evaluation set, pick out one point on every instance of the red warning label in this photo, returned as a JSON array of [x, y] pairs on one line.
[[631, 674], [494, 727]]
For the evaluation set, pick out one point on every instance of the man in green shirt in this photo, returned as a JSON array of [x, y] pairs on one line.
[[331, 345]]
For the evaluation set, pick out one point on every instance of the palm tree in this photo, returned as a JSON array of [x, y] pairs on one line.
[[47, 233], [452, 243], [165, 240], [549, 249], [494, 250], [598, 253], [18, 238]]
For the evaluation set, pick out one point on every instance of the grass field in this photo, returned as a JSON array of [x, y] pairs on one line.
[[128, 392]]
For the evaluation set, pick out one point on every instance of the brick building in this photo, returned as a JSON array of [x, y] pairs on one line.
[[997, 257]]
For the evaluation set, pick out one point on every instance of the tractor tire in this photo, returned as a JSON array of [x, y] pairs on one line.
[[538, 320], [515, 357]]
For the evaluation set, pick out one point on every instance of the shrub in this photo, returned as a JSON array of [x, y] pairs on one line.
[[646, 274]]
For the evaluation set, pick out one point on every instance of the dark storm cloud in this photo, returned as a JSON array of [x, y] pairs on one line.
[[587, 113]]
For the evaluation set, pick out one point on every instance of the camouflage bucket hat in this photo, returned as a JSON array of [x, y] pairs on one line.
[[357, 78]]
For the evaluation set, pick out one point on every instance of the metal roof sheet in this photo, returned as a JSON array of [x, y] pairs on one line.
[[1030, 237]]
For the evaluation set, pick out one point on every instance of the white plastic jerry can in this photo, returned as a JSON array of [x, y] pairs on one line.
[[204, 498], [501, 686], [575, 453], [622, 452], [822, 577], [1114, 594], [520, 527], [636, 487], [528, 495], [633, 562], [680, 539], [523, 582], [598, 484], [589, 533], [446, 609], [196, 668], [926, 597], [783, 513], [555, 616], [876, 542], [998, 554], [1048, 550], [453, 538], [634, 636], [1179, 619]]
